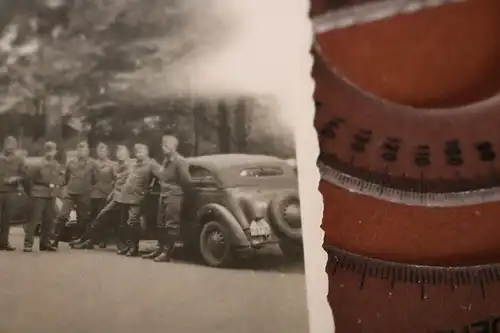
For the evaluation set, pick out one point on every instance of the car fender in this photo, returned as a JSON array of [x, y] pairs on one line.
[[224, 216]]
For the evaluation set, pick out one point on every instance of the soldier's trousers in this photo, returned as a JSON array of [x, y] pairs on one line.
[[128, 227], [7, 200], [96, 206], [134, 228], [43, 212], [79, 202], [168, 222]]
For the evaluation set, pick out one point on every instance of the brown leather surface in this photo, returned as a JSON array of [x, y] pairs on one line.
[[442, 56], [438, 57]]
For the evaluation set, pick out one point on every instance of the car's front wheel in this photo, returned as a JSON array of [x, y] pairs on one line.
[[215, 248]]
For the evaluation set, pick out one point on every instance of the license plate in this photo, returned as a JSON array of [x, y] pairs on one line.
[[72, 216], [260, 228]]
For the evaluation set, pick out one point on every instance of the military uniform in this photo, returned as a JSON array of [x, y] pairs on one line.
[[105, 178], [79, 179], [174, 179], [96, 233], [12, 173], [45, 180], [131, 196]]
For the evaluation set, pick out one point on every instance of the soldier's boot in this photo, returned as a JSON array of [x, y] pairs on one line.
[[76, 241], [57, 233], [124, 250], [46, 246], [166, 254], [134, 237], [86, 245], [7, 247], [134, 249], [133, 252], [103, 245], [159, 249], [122, 246], [28, 248]]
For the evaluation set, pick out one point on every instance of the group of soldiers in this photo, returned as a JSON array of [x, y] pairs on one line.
[[94, 188]]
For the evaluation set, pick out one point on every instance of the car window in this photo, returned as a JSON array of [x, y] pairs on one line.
[[200, 174], [261, 172]]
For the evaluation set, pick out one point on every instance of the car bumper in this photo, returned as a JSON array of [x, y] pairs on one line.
[[253, 247]]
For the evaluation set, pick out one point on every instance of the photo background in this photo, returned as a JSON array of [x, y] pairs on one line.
[[261, 47]]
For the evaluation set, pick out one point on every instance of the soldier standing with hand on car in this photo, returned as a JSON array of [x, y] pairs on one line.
[[174, 179], [101, 189], [79, 178], [12, 174], [45, 181]]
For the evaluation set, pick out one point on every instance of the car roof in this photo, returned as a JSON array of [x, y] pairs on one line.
[[221, 161]]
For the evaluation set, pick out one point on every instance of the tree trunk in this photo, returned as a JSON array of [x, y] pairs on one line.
[[50, 107], [224, 128], [92, 135], [241, 126], [197, 109]]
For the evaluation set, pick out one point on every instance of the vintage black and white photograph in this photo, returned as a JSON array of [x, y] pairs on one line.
[[148, 172]]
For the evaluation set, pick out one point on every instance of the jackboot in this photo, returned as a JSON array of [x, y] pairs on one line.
[[133, 250], [87, 245], [7, 247], [134, 238], [166, 254], [47, 247], [159, 249], [124, 250], [76, 241]]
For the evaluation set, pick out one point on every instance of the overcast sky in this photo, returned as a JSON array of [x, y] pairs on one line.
[[244, 47]]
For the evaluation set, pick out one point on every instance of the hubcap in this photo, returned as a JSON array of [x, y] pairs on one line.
[[216, 244], [291, 214]]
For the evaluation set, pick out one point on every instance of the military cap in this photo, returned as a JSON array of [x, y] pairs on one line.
[[49, 146], [82, 144]]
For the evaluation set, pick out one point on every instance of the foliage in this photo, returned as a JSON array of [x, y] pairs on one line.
[[82, 61]]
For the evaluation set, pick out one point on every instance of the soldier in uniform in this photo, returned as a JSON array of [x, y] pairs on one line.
[[79, 177], [101, 223], [12, 174], [174, 179], [102, 187], [45, 180], [130, 198]]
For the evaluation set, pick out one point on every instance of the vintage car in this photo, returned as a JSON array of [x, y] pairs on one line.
[[235, 205]]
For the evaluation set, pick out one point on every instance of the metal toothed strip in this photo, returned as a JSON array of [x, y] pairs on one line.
[[370, 11], [407, 197], [364, 267]]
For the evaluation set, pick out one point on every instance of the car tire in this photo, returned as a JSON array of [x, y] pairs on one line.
[[209, 233], [291, 251], [278, 219]]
